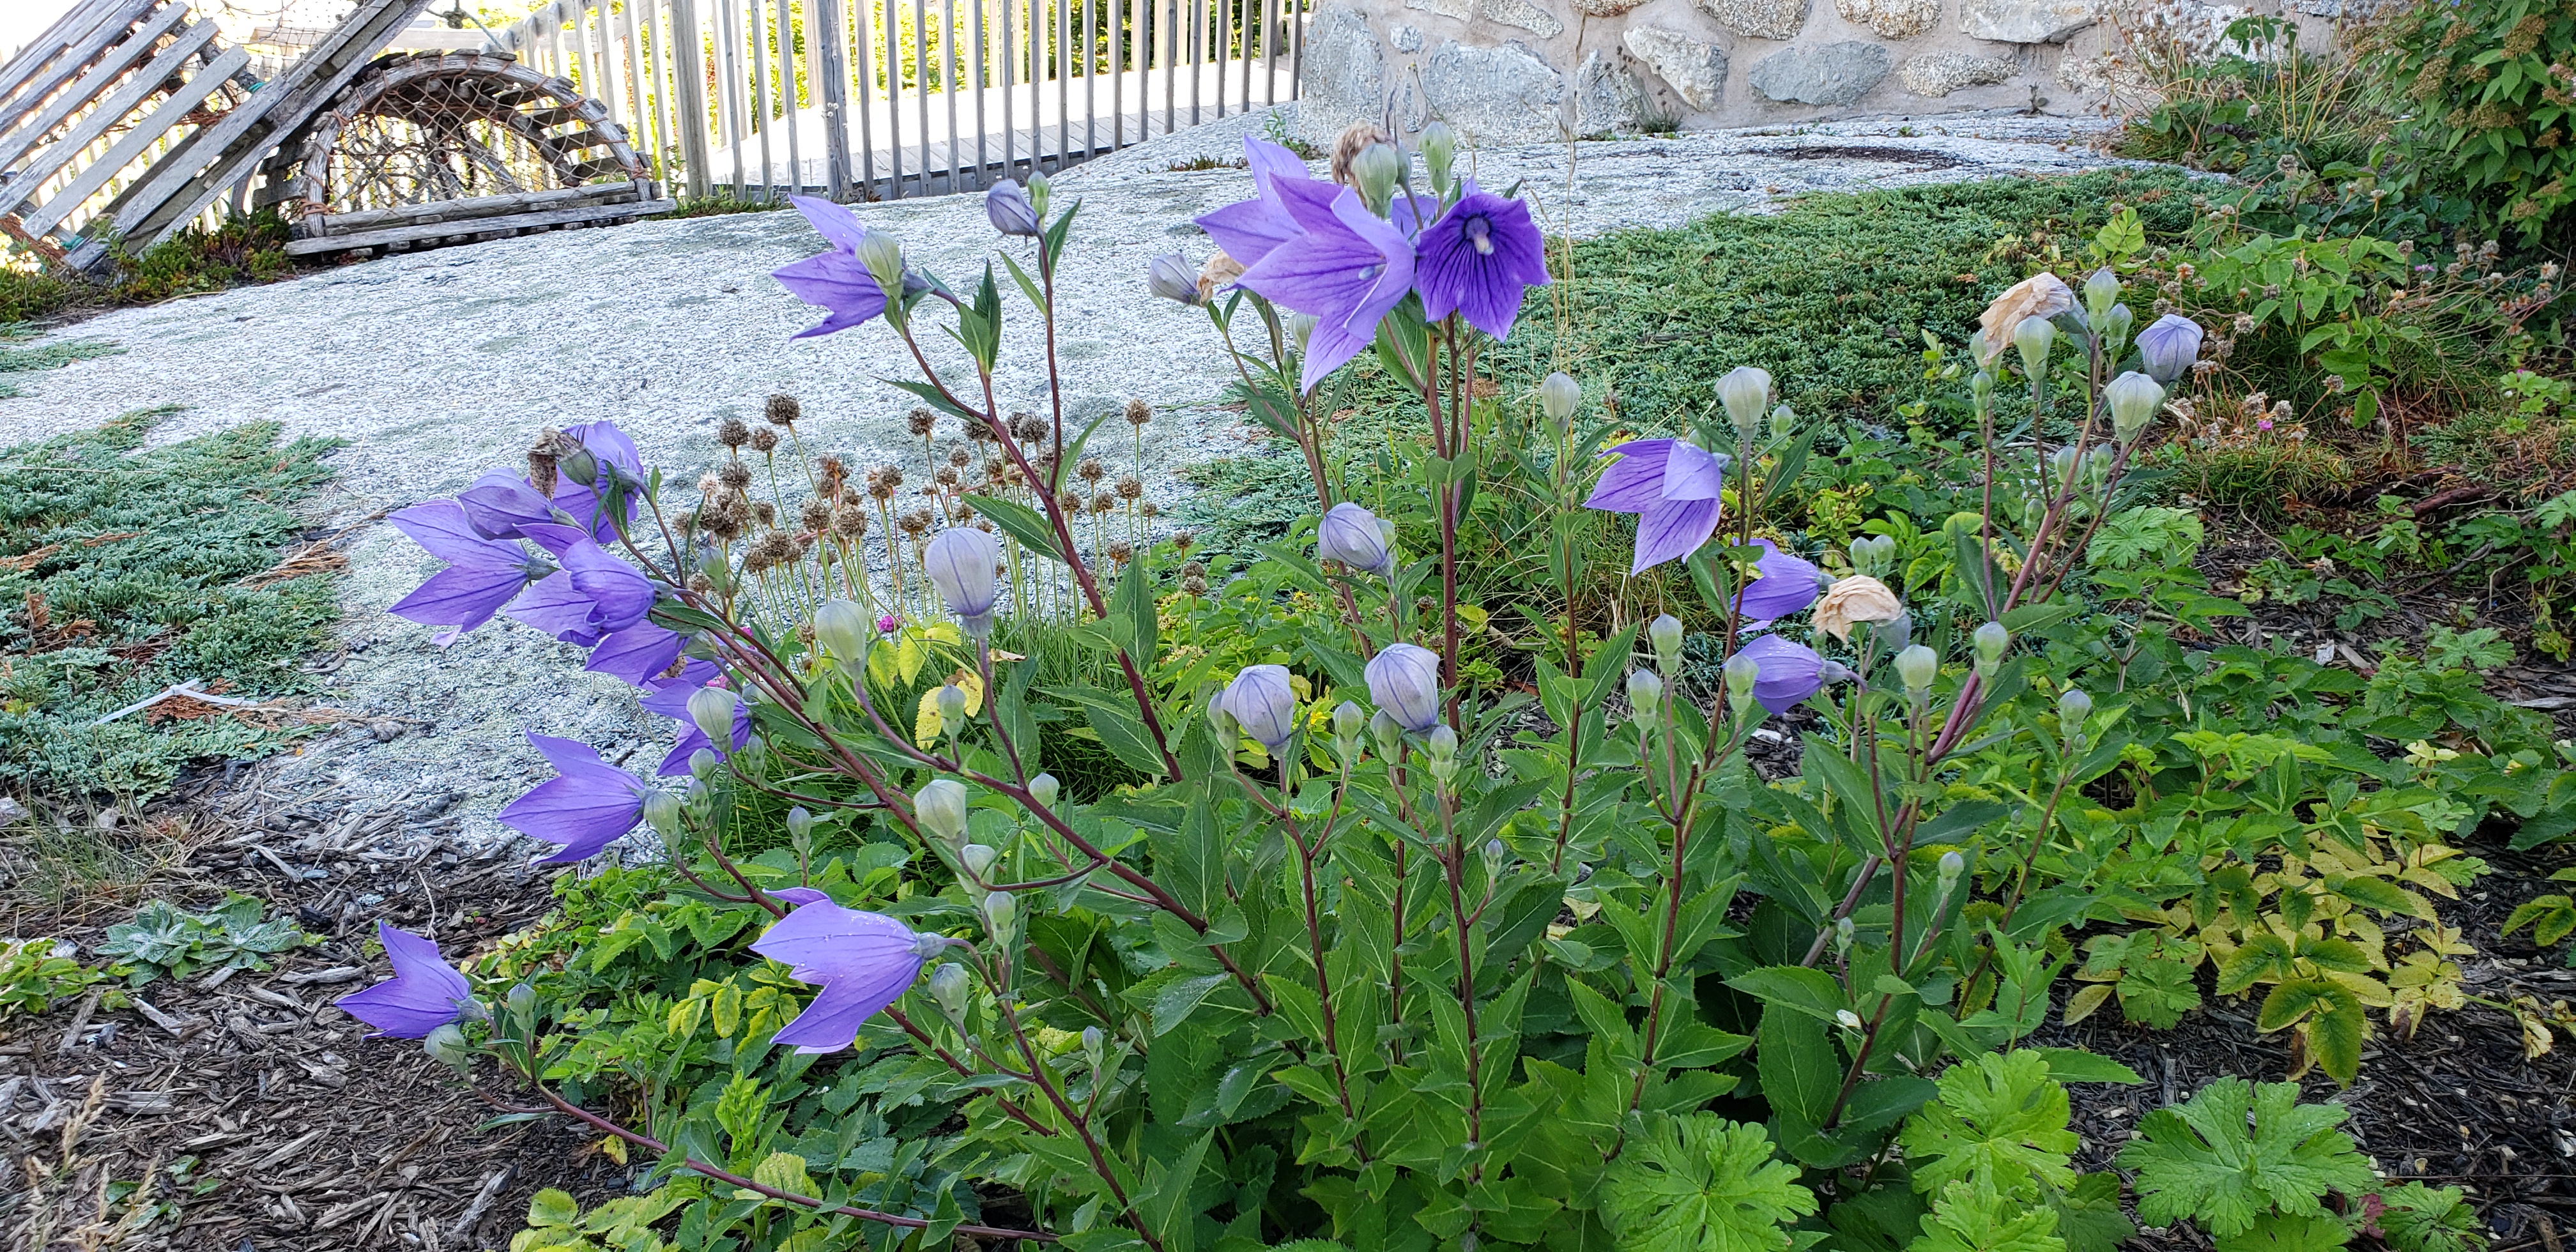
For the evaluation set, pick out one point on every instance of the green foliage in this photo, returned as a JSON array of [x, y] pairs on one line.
[[2202, 1160], [166, 941], [35, 975], [2490, 109], [130, 569], [1700, 1183], [2000, 1123], [1975, 1217], [51, 356], [2417, 1218], [2252, 99], [2147, 534]]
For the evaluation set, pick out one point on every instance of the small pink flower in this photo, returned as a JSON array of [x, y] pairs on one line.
[[886, 625], [2265, 424]]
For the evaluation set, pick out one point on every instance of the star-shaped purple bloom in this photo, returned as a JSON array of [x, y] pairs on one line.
[[670, 698], [862, 961], [1786, 672], [1478, 259], [586, 807], [1347, 269], [617, 594], [634, 655], [1786, 585], [1249, 229], [481, 576], [1672, 486], [835, 281], [424, 994], [499, 503]]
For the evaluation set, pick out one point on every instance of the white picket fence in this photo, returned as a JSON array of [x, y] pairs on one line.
[[877, 99]]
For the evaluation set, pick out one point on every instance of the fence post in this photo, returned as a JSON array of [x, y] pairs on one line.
[[691, 92], [832, 78]]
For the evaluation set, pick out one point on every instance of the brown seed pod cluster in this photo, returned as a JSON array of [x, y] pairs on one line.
[[732, 433], [782, 410]]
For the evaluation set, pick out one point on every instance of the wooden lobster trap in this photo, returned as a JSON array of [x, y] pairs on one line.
[[127, 120]]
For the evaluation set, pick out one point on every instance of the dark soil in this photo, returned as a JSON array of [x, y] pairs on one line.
[[307, 1135]]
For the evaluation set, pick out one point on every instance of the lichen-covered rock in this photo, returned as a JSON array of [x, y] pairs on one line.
[[1406, 37], [2025, 21], [1526, 16], [1605, 8], [1694, 69], [1339, 83], [1609, 98], [1491, 95], [1891, 19], [1761, 19], [1938, 74], [1834, 73], [1458, 9]]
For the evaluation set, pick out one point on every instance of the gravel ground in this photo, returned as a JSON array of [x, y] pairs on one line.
[[437, 366]]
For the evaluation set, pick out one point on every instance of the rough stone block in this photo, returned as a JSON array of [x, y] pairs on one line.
[[1694, 69], [1940, 73], [1892, 19], [1609, 98], [1491, 95], [1526, 16], [1605, 8], [1761, 19], [1340, 82], [2025, 21], [1458, 9], [1406, 37], [1834, 73]]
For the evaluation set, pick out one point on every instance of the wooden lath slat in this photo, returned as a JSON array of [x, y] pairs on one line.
[[17, 143], [172, 110]]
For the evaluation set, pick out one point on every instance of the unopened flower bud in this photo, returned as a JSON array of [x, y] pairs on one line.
[[2034, 336], [1439, 146], [1645, 692], [1741, 672], [662, 812], [1347, 722], [447, 1046], [1981, 387], [1988, 642], [978, 858], [702, 763], [842, 628], [1375, 170], [1388, 733], [884, 258], [2116, 325], [1043, 789], [2099, 291], [712, 709], [1000, 911], [1665, 633], [1745, 390], [1847, 1019], [1095, 1046], [1784, 422], [940, 807], [2134, 399], [1844, 933], [2073, 707], [1171, 277], [948, 990], [1557, 397], [521, 1000], [1221, 720], [1916, 667], [1951, 866], [1495, 855], [1441, 746], [1301, 327], [952, 707]]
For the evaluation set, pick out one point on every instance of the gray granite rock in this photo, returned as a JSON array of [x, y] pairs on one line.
[[1459, 9], [1494, 95], [2025, 21], [1761, 19], [1694, 69], [1524, 15], [1406, 37], [1605, 8], [1609, 99], [1834, 73], [1937, 74], [1340, 82], [1891, 19]]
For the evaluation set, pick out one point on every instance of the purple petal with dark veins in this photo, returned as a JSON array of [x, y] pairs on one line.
[[1672, 528]]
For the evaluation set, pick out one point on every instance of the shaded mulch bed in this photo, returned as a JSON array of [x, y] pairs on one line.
[[307, 1136]]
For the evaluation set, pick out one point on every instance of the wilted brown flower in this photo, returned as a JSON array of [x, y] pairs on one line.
[[2040, 295], [1219, 270], [1347, 146], [1858, 598]]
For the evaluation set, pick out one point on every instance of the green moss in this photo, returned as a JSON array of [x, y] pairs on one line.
[[122, 571]]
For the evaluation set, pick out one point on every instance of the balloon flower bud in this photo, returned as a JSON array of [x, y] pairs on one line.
[[1389, 735], [1741, 672], [521, 1001], [712, 709], [1221, 720], [1439, 146], [1847, 1019], [884, 258], [842, 628], [1988, 643], [1558, 397], [1008, 208], [662, 812], [940, 807], [2116, 325], [1495, 856], [1043, 789], [1095, 1046], [2061, 465], [1404, 683], [978, 858], [1347, 722], [2099, 291], [1784, 422], [2134, 399], [1645, 693], [1952, 865], [1981, 387], [1844, 933], [2168, 347], [948, 990], [702, 763], [2073, 707], [1916, 667], [1745, 391], [1000, 911], [2034, 336], [1173, 278], [447, 1046], [1665, 633], [1441, 746], [1263, 704], [1038, 188], [952, 707], [1376, 168], [961, 562], [1301, 327], [1351, 535]]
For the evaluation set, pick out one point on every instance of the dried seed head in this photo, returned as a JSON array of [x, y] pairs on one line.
[[947, 476], [771, 550], [1182, 541], [783, 410], [850, 523], [709, 484], [1194, 569], [686, 520], [880, 490], [764, 441], [979, 432], [891, 476], [1139, 413], [1104, 503], [732, 433], [814, 514], [1129, 488], [832, 469], [734, 475], [960, 457], [1028, 427], [918, 421], [700, 584], [1150, 509], [1194, 585], [985, 524], [765, 511], [1120, 551], [1090, 470], [994, 467]]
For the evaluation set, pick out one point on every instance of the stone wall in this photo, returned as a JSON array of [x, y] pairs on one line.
[[1524, 71]]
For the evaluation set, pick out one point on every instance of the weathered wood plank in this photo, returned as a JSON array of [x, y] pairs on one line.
[[470, 208], [83, 47], [110, 112], [16, 143], [476, 226], [173, 108]]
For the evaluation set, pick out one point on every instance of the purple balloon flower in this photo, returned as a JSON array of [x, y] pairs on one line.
[[1478, 259], [2168, 346], [500, 503], [835, 281], [862, 961], [1249, 229], [424, 994], [670, 698], [634, 655], [1786, 584], [482, 575], [586, 807], [618, 594], [1671, 485], [1404, 681], [1347, 270], [1786, 672]]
